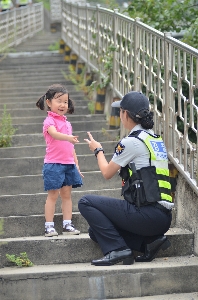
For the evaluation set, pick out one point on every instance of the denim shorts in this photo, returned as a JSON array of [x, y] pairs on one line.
[[56, 176]]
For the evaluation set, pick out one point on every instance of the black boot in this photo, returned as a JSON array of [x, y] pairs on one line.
[[152, 249], [114, 257]]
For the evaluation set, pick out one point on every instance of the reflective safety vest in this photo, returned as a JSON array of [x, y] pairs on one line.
[[6, 4], [154, 180]]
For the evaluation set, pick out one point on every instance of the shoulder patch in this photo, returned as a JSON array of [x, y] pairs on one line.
[[119, 148]]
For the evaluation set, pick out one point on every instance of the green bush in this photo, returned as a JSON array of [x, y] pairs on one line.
[[6, 129]]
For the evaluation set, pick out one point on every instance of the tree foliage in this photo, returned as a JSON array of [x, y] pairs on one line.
[[169, 16]]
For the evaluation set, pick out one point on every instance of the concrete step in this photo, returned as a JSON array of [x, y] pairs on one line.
[[71, 118], [45, 71], [37, 138], [33, 165], [34, 82], [179, 296], [27, 63], [47, 37], [58, 250], [32, 184], [10, 101], [76, 125], [29, 59], [31, 77], [79, 110], [79, 100], [39, 150], [34, 203], [37, 46], [35, 93], [21, 226], [159, 278]]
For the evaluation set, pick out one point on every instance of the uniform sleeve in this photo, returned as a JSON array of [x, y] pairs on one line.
[[127, 150], [47, 123]]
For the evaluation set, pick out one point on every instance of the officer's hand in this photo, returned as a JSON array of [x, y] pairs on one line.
[[92, 143]]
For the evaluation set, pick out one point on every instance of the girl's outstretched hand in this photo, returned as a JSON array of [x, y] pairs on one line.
[[92, 143], [72, 139]]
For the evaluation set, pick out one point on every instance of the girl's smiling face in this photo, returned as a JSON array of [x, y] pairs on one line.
[[59, 104]]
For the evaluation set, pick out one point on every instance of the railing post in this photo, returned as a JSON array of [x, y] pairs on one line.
[[98, 29], [15, 27], [114, 53], [72, 27], [87, 33], [136, 56], [79, 38], [166, 96]]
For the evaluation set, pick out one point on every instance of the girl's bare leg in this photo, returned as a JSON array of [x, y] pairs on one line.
[[50, 205], [65, 194], [68, 227]]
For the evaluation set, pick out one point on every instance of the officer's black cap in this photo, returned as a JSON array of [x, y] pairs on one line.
[[134, 102]]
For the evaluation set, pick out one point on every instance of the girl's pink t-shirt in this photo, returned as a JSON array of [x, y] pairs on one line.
[[58, 151]]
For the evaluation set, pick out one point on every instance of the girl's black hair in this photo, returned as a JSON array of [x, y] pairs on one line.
[[144, 118], [50, 94]]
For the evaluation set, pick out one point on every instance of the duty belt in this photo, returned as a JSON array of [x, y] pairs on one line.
[[161, 207]]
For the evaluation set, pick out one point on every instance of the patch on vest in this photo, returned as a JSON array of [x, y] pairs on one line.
[[159, 149], [119, 149]]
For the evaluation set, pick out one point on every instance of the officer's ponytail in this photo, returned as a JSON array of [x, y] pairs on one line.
[[144, 118], [147, 121]]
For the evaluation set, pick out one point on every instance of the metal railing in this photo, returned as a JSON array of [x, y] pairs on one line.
[[19, 24], [55, 10], [146, 60]]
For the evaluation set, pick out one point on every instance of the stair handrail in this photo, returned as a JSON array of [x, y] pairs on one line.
[[146, 60], [18, 24]]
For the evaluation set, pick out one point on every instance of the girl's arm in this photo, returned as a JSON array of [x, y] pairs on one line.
[[108, 170], [62, 136], [76, 162]]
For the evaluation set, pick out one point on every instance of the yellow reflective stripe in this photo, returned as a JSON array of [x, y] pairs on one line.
[[130, 172], [162, 171], [166, 197], [164, 184]]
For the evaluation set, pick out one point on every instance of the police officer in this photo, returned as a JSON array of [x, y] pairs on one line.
[[140, 221], [20, 3], [6, 5]]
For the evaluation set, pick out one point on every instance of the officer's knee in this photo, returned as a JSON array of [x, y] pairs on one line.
[[92, 235], [83, 202]]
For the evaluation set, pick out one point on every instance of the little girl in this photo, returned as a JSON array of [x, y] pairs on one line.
[[60, 170]]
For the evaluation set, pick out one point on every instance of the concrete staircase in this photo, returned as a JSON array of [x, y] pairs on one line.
[[62, 268]]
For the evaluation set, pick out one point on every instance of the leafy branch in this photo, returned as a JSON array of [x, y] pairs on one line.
[[105, 66], [21, 261]]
